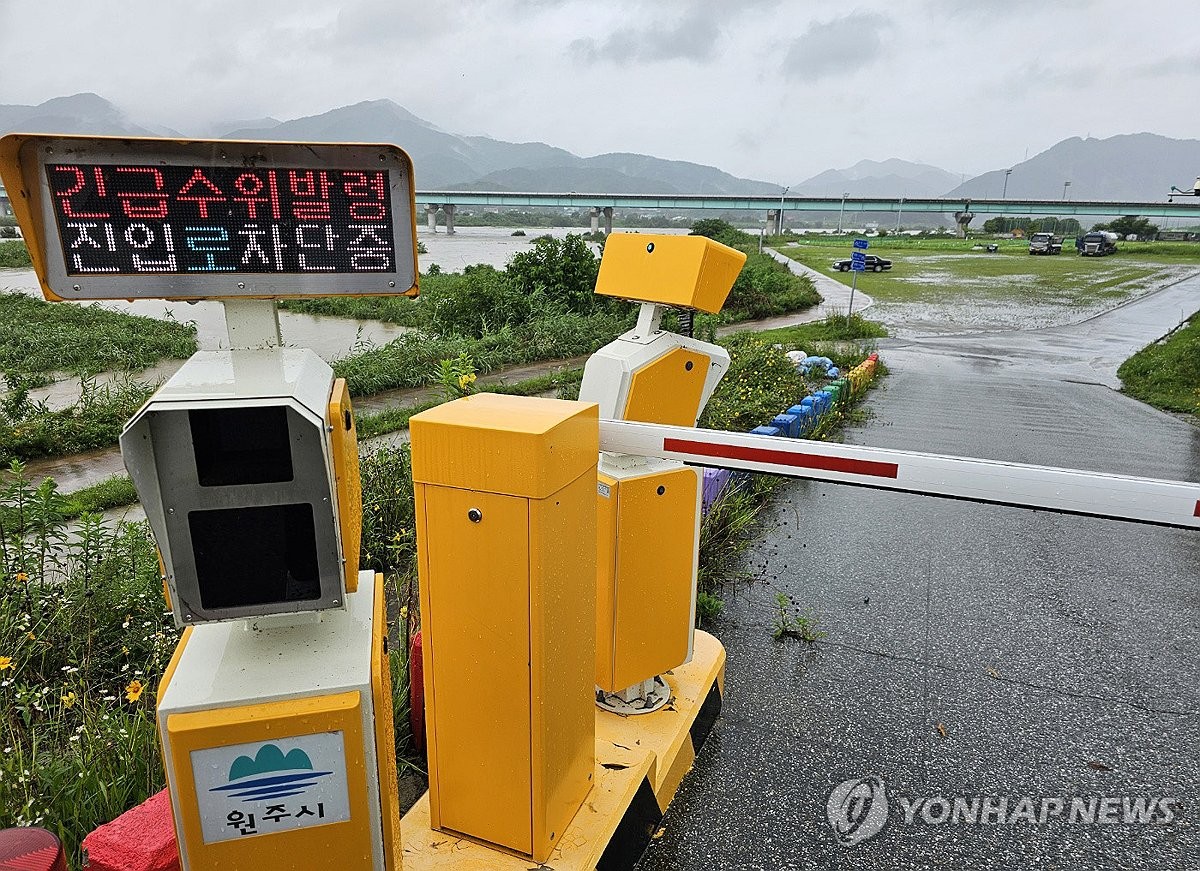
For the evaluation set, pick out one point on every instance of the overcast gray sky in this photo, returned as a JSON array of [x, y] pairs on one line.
[[768, 89]]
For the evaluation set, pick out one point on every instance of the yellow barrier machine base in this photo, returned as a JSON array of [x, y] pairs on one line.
[[640, 762]]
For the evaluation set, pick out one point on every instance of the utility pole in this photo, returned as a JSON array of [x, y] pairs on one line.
[[842, 210], [899, 213], [781, 196], [1007, 173], [1066, 184]]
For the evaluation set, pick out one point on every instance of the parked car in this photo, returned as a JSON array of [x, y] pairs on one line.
[[874, 264], [1045, 243]]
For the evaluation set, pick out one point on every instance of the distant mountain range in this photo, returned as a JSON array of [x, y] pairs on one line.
[[81, 113], [888, 178], [446, 160], [1139, 166]]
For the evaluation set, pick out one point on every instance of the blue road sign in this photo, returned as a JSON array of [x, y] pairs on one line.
[[858, 257], [860, 243], [858, 266]]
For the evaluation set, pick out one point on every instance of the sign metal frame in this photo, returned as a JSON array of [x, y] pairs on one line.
[[23, 161]]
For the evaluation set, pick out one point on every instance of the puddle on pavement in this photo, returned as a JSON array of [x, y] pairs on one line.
[[950, 313]]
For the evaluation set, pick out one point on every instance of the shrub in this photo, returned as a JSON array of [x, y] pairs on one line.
[[414, 359], [723, 232], [760, 383], [84, 637], [482, 298], [764, 288], [14, 255], [31, 430], [38, 338], [389, 538], [557, 274]]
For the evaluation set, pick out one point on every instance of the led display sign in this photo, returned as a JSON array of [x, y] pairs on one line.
[[130, 220], [137, 218]]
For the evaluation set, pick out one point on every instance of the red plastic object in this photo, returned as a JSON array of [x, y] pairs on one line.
[[872, 356], [141, 839], [28, 849], [416, 691]]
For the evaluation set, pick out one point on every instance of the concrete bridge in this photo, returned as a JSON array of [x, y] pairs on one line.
[[963, 210], [602, 205]]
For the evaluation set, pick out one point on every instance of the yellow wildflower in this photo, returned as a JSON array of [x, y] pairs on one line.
[[31, 636], [466, 380], [5, 662], [133, 692], [22, 577], [69, 700]]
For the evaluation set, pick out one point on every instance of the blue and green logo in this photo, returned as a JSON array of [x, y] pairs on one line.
[[270, 775]]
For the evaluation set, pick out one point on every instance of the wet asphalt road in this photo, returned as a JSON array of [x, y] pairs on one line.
[[1060, 655]]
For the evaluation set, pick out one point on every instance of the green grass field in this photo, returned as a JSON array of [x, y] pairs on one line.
[[38, 339], [1166, 374], [944, 270]]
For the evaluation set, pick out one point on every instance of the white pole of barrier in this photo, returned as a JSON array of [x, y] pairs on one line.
[[1066, 491]]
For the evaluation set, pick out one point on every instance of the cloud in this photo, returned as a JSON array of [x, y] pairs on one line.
[[1037, 75], [1174, 65], [843, 45], [380, 23], [694, 37]]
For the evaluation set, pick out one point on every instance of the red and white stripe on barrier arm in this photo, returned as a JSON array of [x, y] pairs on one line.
[[1066, 491]]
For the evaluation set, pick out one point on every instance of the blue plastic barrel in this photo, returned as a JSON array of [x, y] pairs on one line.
[[767, 431], [806, 414], [789, 423]]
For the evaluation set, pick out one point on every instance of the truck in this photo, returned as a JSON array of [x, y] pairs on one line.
[[1045, 243], [1097, 243]]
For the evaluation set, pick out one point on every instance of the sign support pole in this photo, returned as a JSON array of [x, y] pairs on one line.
[[252, 323], [858, 262]]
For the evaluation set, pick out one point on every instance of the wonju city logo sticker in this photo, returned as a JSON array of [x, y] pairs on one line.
[[859, 809], [260, 788]]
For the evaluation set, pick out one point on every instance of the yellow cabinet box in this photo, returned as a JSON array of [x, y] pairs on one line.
[[648, 520], [506, 523]]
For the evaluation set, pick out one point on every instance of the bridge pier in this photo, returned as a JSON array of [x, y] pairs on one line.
[[595, 213], [961, 219], [608, 220], [449, 210], [431, 216], [774, 219]]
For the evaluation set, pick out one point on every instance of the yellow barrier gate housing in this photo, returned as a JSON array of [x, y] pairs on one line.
[[506, 525], [649, 510]]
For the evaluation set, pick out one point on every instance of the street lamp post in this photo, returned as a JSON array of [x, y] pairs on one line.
[[899, 212], [1066, 184], [781, 196], [1007, 173], [842, 211]]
